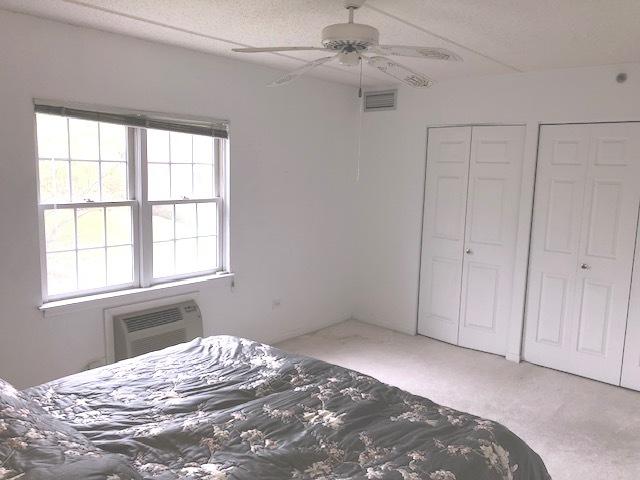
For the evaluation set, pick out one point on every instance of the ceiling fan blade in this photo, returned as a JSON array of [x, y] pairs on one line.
[[420, 52], [274, 49], [400, 72], [291, 76]]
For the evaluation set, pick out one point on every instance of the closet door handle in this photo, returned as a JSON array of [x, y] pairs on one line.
[[585, 266], [468, 251]]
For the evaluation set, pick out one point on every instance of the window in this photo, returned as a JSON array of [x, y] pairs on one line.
[[185, 232], [125, 205]]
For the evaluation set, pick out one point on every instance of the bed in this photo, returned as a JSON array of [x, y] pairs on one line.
[[229, 408]]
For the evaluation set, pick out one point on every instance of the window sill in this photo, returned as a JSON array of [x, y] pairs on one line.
[[132, 295]]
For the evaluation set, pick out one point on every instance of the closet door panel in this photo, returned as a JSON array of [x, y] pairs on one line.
[[443, 232], [481, 285], [631, 360], [552, 308], [555, 243], [490, 236], [602, 193], [608, 235]]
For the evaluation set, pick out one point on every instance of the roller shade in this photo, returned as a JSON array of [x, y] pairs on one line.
[[143, 120]]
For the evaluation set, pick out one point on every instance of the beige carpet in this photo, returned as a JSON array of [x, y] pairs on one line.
[[582, 429]]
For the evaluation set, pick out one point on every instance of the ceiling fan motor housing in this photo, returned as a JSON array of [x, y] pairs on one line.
[[349, 36]]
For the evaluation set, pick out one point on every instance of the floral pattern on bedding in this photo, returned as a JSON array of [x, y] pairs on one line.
[[34, 445], [228, 408]]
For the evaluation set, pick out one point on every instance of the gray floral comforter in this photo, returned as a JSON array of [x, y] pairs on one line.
[[229, 408]]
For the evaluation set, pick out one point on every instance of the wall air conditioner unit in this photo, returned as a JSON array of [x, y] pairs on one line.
[[144, 331]]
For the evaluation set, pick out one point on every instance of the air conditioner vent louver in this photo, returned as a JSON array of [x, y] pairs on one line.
[[143, 331], [157, 342], [376, 101], [153, 319]]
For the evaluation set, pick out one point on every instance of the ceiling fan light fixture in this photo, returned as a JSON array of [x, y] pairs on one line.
[[349, 59], [350, 36]]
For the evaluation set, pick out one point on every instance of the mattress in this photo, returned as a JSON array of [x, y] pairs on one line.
[[229, 408]]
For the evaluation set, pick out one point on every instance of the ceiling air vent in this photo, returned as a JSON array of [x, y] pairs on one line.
[[376, 101]]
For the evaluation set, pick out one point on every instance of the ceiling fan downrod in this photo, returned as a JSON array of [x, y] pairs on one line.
[[351, 10]]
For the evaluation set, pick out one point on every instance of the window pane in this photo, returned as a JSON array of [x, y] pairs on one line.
[[91, 269], [92, 247], [207, 219], [53, 140], [114, 181], [85, 181], [113, 142], [118, 225], [186, 220], [163, 259], [207, 253], [59, 229], [202, 149], [158, 181], [61, 272], [54, 181], [203, 181], [181, 176], [157, 146], [90, 227], [186, 256], [119, 265], [162, 220], [83, 139], [181, 148]]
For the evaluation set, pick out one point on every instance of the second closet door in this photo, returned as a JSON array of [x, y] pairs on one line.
[[582, 247], [490, 237], [469, 234]]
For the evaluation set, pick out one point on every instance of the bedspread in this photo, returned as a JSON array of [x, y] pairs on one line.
[[229, 408]]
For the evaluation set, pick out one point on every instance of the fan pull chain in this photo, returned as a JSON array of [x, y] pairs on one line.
[[360, 87], [360, 113], [359, 143]]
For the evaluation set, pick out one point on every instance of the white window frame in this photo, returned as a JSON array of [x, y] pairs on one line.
[[141, 209], [146, 205]]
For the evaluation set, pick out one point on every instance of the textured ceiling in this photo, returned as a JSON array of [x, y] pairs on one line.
[[493, 36]]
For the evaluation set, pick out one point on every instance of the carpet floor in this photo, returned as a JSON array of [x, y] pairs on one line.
[[582, 429]]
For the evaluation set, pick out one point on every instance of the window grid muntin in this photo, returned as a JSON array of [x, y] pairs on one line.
[[69, 161], [135, 171], [106, 247], [196, 237], [192, 164], [74, 206], [148, 244]]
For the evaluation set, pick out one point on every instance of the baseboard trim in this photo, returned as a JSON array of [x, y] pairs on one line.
[[513, 357], [393, 328], [297, 332]]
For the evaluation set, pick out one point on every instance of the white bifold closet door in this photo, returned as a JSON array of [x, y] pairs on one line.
[[631, 361], [582, 247], [470, 223]]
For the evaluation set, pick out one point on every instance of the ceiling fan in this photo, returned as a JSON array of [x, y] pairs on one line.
[[356, 43]]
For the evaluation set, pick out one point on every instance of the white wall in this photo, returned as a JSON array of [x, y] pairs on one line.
[[292, 154], [301, 231], [390, 192]]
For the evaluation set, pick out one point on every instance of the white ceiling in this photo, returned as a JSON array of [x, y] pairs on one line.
[[493, 36]]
